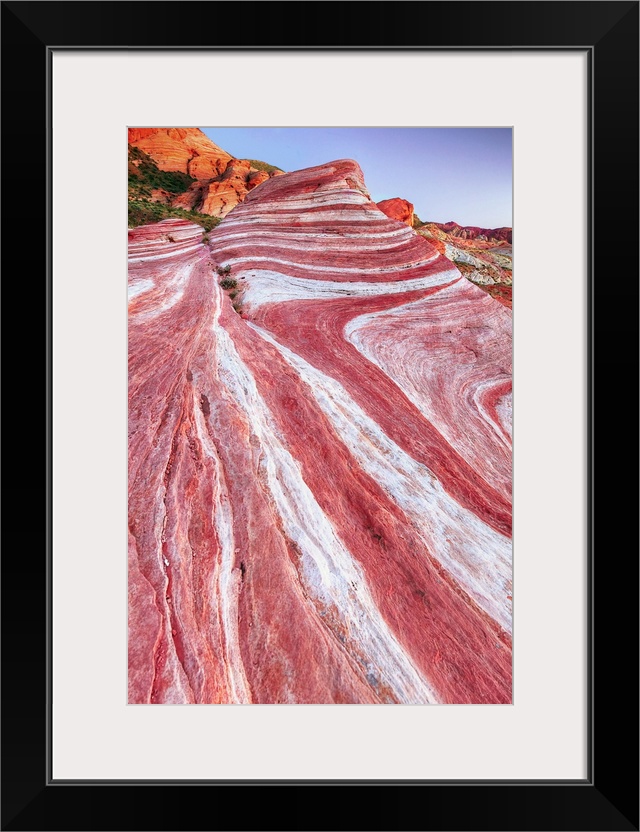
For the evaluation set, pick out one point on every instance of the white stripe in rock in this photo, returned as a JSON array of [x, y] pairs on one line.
[[334, 235], [173, 290], [265, 286], [481, 389], [177, 252], [138, 287], [315, 242], [504, 409], [271, 217]]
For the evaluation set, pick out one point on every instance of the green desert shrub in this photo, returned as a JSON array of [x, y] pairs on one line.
[[258, 165]]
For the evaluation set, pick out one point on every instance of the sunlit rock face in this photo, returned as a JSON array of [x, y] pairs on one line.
[[397, 209], [221, 181], [217, 197], [183, 149], [319, 459]]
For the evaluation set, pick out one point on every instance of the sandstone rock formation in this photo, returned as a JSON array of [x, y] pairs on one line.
[[320, 485], [222, 180], [397, 209], [183, 149], [216, 197]]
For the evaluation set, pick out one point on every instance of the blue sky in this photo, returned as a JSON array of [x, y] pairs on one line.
[[462, 174]]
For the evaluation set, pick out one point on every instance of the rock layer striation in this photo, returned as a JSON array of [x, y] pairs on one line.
[[184, 149], [222, 181], [319, 459]]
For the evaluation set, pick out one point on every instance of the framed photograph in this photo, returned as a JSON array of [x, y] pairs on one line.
[[529, 745]]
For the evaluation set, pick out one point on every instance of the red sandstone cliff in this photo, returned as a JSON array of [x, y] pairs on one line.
[[223, 181], [217, 196], [184, 149], [397, 209]]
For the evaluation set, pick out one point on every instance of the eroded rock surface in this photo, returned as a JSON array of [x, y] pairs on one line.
[[184, 149], [222, 181], [397, 209], [216, 197], [485, 259]]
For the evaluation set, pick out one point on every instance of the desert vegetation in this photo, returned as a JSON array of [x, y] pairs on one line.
[[143, 212], [265, 166], [145, 177]]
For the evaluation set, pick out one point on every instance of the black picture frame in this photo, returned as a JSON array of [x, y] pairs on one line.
[[608, 798]]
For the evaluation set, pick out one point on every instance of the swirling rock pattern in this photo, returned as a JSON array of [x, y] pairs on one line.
[[320, 465]]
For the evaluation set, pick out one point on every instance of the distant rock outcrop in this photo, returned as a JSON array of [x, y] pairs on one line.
[[397, 209], [472, 232], [485, 259]]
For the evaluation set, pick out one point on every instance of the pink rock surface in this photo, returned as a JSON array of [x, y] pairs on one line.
[[319, 486]]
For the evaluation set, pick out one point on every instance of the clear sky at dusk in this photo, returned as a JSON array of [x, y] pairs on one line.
[[460, 174]]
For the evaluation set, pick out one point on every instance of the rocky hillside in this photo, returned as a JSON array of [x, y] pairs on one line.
[[181, 149], [182, 168], [216, 197], [485, 259]]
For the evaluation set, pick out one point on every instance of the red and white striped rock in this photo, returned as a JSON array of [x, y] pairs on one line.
[[319, 486]]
